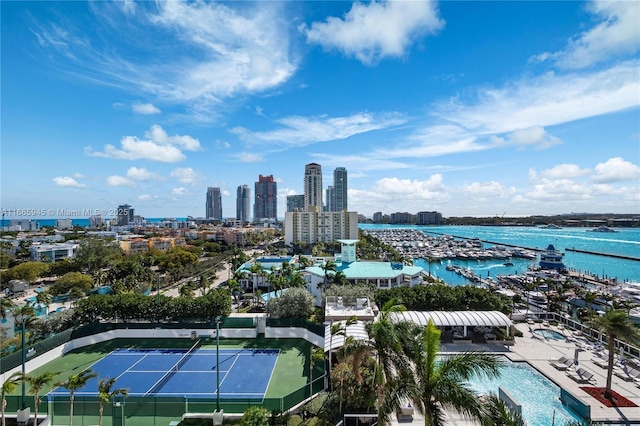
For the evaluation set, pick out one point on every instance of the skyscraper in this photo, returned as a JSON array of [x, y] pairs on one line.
[[214, 203], [266, 199], [243, 203], [125, 214], [295, 202], [339, 189], [330, 197], [313, 186]]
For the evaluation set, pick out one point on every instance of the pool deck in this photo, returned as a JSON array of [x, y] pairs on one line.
[[537, 352]]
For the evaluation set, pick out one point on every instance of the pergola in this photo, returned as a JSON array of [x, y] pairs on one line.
[[455, 318]]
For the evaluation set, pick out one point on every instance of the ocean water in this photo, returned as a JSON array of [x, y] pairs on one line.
[[625, 242]]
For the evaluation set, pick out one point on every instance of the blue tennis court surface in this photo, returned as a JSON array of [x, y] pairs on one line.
[[244, 373]]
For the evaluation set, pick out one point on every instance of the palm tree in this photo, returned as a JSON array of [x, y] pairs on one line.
[[44, 299], [386, 340], [616, 325], [500, 414], [329, 266], [36, 384], [440, 385], [9, 386], [6, 305], [75, 382], [105, 393]]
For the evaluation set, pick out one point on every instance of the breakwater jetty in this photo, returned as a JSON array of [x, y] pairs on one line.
[[597, 253], [487, 241]]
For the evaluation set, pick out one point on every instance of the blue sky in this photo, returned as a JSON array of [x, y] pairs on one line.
[[467, 108]]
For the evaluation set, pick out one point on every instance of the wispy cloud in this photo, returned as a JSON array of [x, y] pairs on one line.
[[67, 181], [116, 180], [157, 145], [377, 30], [249, 157], [302, 131], [213, 52], [616, 34], [546, 100], [145, 109]]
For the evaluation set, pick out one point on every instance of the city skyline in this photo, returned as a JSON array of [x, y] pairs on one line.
[[465, 108]]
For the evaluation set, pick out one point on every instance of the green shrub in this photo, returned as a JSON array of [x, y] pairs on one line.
[[255, 416]]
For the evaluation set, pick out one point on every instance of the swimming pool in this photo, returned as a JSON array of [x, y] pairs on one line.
[[539, 397], [548, 334]]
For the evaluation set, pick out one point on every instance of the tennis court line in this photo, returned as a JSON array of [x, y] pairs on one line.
[[165, 378]]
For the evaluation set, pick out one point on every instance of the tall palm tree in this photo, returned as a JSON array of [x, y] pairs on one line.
[[386, 340], [105, 393], [36, 383], [9, 386], [328, 266], [440, 384], [616, 325], [75, 382]]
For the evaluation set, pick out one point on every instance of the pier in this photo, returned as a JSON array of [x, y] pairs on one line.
[[487, 241]]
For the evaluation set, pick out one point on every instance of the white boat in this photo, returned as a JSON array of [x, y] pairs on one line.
[[551, 259], [602, 229]]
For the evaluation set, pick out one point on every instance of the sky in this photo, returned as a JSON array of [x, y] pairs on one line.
[[469, 108]]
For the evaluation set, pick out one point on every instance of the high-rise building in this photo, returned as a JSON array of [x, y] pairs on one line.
[[314, 226], [428, 218], [243, 204], [295, 202], [313, 186], [339, 201], [125, 215], [266, 199], [214, 203], [330, 198]]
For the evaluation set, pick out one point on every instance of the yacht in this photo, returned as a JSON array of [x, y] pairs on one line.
[[602, 229], [551, 258]]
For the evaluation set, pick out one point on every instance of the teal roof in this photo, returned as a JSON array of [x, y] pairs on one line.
[[362, 270]]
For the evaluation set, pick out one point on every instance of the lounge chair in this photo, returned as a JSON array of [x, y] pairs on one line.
[[581, 376], [600, 362], [628, 375], [562, 363]]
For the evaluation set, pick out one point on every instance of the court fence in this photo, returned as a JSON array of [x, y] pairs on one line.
[[152, 410]]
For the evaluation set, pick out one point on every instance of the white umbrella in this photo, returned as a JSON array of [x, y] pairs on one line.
[[575, 355]]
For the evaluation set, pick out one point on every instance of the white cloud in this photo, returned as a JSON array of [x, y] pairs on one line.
[[145, 109], [564, 171], [157, 146], [395, 194], [616, 34], [186, 175], [547, 100], [179, 191], [68, 182], [116, 180], [616, 170], [301, 131], [141, 174], [533, 136], [78, 176], [146, 197], [249, 157], [485, 190], [377, 30]]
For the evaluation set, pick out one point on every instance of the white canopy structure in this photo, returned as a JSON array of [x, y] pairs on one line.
[[455, 318], [356, 330]]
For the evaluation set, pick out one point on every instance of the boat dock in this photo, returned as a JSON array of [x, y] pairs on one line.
[[486, 241]]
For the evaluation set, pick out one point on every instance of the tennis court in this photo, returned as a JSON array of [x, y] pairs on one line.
[[244, 373]]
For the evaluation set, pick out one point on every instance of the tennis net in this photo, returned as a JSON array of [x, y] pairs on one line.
[[173, 370]]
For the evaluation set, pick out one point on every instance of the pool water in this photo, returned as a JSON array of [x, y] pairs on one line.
[[548, 334], [539, 397]]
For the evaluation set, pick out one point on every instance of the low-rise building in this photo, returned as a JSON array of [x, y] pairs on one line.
[[53, 252]]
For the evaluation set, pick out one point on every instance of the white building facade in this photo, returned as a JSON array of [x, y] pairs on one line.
[[316, 226]]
